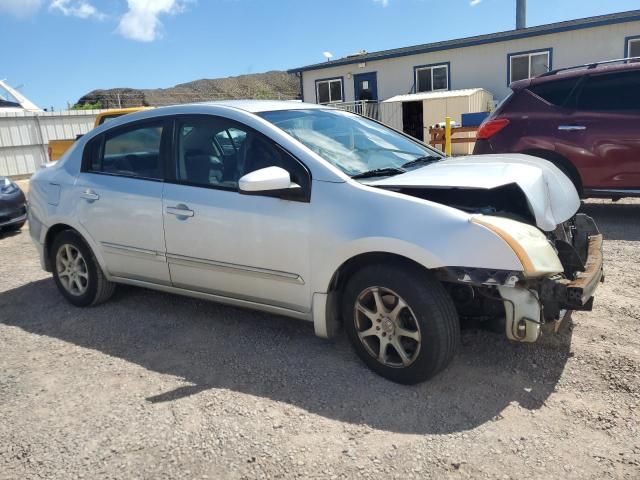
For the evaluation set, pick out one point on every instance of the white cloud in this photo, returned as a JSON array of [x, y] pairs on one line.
[[76, 8], [473, 3], [142, 20], [384, 3], [20, 8]]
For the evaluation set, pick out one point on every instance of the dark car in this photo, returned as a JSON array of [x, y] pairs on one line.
[[586, 120], [13, 206]]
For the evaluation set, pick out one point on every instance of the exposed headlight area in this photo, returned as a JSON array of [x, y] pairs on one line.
[[531, 246]]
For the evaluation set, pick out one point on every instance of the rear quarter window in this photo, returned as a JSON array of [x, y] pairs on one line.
[[556, 92]]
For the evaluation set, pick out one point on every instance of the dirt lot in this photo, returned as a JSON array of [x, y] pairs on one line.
[[152, 385]]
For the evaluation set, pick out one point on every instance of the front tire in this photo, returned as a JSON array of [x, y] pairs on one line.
[[401, 322], [76, 271]]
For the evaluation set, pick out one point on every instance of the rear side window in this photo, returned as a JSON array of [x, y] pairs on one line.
[[611, 92], [134, 152], [556, 92]]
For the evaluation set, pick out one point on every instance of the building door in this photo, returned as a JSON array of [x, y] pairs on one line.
[[365, 86], [412, 119]]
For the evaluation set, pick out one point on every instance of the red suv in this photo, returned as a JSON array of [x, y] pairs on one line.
[[586, 120]]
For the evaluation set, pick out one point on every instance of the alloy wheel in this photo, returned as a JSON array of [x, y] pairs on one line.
[[72, 270], [387, 327]]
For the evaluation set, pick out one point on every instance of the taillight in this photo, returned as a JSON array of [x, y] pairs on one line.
[[489, 128], [50, 151]]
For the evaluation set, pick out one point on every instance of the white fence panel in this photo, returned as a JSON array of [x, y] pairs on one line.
[[23, 160], [24, 136]]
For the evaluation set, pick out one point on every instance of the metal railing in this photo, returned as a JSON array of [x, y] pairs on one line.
[[366, 108]]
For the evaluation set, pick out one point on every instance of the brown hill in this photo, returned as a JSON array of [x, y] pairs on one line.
[[269, 85]]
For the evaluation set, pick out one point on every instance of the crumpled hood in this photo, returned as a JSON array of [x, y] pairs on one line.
[[551, 196]]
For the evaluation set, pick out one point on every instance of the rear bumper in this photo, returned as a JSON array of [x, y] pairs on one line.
[[37, 231]]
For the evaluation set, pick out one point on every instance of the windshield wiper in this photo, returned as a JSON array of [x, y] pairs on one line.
[[421, 161], [380, 172]]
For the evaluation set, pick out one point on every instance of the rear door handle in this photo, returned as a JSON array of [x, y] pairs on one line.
[[180, 211], [571, 128], [90, 195]]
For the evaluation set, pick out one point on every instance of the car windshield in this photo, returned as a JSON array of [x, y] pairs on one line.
[[356, 145]]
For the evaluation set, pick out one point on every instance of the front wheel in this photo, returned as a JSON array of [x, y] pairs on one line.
[[401, 322]]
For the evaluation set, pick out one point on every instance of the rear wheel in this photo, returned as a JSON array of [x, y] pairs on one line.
[[77, 272], [401, 322]]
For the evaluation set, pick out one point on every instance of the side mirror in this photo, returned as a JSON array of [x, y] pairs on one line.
[[270, 179]]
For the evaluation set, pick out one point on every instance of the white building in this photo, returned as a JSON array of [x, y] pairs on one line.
[[489, 61]]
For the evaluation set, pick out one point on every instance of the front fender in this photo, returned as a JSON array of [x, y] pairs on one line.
[[352, 220]]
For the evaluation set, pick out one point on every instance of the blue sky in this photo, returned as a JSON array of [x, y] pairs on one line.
[[60, 49]]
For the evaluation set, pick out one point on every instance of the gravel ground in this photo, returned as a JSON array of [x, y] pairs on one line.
[[152, 385]]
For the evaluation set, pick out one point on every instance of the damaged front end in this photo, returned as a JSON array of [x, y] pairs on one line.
[[531, 205], [527, 303]]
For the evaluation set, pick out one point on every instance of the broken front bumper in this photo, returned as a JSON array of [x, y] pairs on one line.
[[528, 308]]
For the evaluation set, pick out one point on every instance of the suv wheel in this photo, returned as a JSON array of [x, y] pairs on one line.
[[401, 322], [77, 272]]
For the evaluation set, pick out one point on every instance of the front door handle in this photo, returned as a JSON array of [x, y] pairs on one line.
[[90, 195], [571, 128], [180, 211]]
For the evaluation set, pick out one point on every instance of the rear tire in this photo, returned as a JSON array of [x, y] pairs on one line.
[[401, 322], [76, 271]]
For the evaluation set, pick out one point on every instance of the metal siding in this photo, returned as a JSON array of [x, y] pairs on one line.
[[548, 29], [484, 66], [24, 136]]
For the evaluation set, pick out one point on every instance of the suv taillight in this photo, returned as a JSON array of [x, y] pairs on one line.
[[489, 128]]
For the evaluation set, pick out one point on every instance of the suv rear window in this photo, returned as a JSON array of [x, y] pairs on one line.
[[611, 92], [556, 92]]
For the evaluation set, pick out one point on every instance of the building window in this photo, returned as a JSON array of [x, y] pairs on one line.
[[329, 91], [431, 78], [528, 64], [633, 49]]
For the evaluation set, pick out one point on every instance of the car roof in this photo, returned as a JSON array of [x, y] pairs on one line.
[[578, 71], [257, 106], [246, 106]]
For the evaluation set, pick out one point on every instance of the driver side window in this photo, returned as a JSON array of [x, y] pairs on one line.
[[215, 152]]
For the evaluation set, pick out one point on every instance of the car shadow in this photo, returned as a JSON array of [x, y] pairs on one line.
[[212, 346], [616, 221]]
